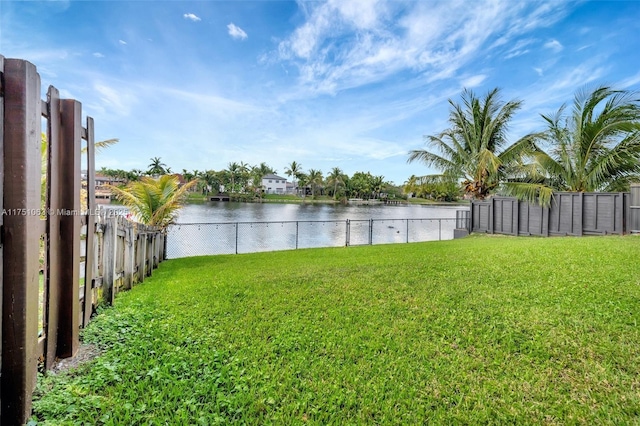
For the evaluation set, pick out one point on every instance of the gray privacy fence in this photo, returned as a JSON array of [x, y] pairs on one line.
[[570, 213], [197, 239]]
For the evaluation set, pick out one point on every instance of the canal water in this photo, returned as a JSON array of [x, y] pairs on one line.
[[232, 228]]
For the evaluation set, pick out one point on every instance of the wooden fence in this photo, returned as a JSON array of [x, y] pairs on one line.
[[59, 258], [570, 213]]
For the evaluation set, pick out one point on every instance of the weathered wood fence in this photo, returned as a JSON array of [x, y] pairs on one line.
[[570, 213], [60, 258]]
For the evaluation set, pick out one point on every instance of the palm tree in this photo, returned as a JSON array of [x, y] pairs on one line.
[[100, 145], [336, 178], [473, 148], [594, 147], [377, 183], [315, 180], [154, 201], [233, 170], [157, 167], [293, 171]]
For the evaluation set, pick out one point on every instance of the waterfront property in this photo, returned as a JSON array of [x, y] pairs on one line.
[[273, 184]]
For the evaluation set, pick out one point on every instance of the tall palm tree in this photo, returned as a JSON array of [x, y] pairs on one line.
[[293, 171], [233, 170], [474, 149], [593, 147], [157, 167], [336, 178], [154, 201], [315, 181]]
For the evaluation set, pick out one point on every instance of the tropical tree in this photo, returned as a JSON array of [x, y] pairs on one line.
[[154, 201], [336, 179], [233, 172], [100, 145], [293, 171], [264, 169], [377, 184], [474, 149], [257, 173], [156, 167], [315, 181], [303, 181], [593, 147], [360, 185]]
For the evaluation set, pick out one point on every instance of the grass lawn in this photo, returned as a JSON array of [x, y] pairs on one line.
[[480, 330]]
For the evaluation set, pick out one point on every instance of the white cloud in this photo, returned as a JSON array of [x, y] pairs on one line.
[[122, 42], [342, 45], [554, 45], [114, 101], [98, 55], [539, 71], [191, 17], [474, 81], [629, 82], [236, 32]]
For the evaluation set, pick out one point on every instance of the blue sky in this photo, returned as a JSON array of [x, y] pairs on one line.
[[349, 84]]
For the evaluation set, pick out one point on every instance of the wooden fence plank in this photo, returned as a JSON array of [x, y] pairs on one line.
[[71, 125], [21, 193], [109, 259], [89, 274], [53, 274]]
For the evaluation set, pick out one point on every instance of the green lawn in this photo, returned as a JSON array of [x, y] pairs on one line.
[[481, 330]]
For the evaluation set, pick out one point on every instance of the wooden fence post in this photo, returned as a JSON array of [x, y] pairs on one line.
[[109, 259], [21, 238], [69, 308], [90, 259], [141, 255], [53, 275], [129, 252]]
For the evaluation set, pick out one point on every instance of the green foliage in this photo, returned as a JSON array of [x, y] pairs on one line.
[[157, 167], [436, 188], [593, 147], [474, 149], [540, 331], [154, 201]]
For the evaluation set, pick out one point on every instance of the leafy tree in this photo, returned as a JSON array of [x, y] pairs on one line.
[[360, 185], [336, 179], [265, 169], [233, 173], [157, 167], [474, 149], [293, 171], [593, 147], [377, 185], [154, 201], [315, 180]]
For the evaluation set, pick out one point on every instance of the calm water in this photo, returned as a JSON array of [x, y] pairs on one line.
[[228, 228], [222, 212]]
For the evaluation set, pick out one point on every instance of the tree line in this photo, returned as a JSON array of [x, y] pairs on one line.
[[242, 178]]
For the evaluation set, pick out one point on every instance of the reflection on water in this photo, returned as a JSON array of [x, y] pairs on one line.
[[219, 212], [227, 228]]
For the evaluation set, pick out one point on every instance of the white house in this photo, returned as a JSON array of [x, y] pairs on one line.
[[273, 184]]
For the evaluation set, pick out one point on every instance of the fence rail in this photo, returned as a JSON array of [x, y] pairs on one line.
[[59, 257], [197, 239]]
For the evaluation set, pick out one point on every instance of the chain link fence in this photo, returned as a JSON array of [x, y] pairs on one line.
[[197, 239]]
